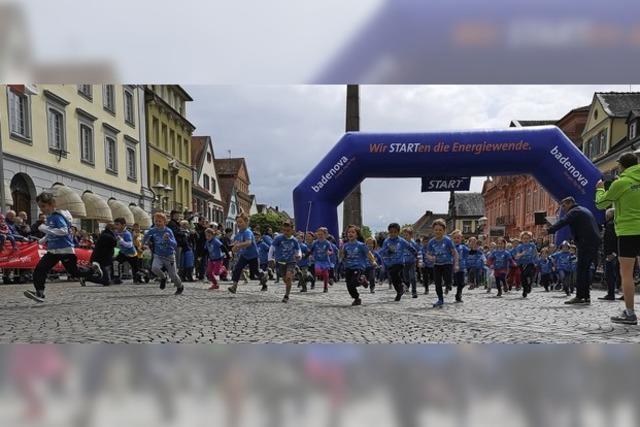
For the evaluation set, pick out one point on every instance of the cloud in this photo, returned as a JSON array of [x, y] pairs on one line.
[[284, 131]]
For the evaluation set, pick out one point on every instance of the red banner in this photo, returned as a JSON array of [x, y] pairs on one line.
[[27, 255]]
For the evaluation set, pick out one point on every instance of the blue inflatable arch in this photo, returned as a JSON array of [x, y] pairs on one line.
[[543, 151]]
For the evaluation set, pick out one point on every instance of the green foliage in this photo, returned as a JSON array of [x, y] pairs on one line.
[[366, 231], [264, 220]]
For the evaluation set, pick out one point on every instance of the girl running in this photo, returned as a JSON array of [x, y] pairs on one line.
[[245, 248], [355, 254], [215, 257], [321, 253], [442, 252]]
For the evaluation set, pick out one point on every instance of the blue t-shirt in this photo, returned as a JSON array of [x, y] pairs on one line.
[[409, 256], [333, 258], [475, 259], [442, 249], [562, 260], [355, 255], [214, 248], [161, 247], [304, 261], [320, 252], [126, 245], [285, 248], [57, 220], [246, 235], [463, 252], [263, 250], [501, 259], [425, 259], [529, 253], [545, 265], [392, 250]]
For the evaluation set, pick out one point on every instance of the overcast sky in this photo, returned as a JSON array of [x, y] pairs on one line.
[[283, 131]]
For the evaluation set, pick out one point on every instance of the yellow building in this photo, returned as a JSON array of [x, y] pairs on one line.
[[607, 132], [169, 146], [87, 137]]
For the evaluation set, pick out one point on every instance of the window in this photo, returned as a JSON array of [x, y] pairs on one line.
[[132, 169], [86, 143], [156, 174], [164, 137], [205, 181], [111, 154], [86, 91], [186, 148], [55, 120], [208, 157], [179, 190], [633, 130], [129, 109], [156, 131], [172, 138], [109, 98], [597, 145], [213, 185], [19, 115], [466, 227], [187, 190], [179, 147]]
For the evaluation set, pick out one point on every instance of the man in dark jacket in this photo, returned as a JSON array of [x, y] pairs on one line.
[[34, 228], [103, 255], [200, 251], [610, 249], [587, 237]]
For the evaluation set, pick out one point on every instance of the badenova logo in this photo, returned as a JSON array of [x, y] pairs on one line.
[[330, 174], [564, 161]]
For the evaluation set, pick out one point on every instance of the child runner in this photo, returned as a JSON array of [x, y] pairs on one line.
[[500, 260], [442, 252], [513, 278], [244, 245], [409, 263], [526, 254], [355, 254], [427, 270], [459, 275], [164, 251], [57, 230], [215, 256], [264, 244], [303, 263], [546, 266], [284, 254], [562, 265], [475, 263], [309, 239], [128, 252], [371, 269], [333, 258], [321, 252], [392, 253]]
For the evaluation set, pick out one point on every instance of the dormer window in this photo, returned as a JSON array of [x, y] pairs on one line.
[[633, 130]]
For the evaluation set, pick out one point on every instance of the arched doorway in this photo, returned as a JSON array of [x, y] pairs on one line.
[[23, 192]]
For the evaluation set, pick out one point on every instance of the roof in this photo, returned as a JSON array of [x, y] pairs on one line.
[[618, 104], [469, 204], [198, 148], [525, 123], [583, 109], [633, 114], [428, 218], [231, 167]]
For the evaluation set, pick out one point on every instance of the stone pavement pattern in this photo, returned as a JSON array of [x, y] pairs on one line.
[[143, 313]]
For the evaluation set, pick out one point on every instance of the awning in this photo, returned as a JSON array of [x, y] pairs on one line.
[[8, 199], [68, 199], [140, 216], [96, 207], [120, 210]]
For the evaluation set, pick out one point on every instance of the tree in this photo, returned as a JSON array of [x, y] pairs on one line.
[[366, 232], [265, 220]]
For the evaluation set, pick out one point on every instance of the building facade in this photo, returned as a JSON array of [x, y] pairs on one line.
[[511, 202], [88, 137], [422, 227], [234, 175], [169, 135], [465, 211], [207, 198]]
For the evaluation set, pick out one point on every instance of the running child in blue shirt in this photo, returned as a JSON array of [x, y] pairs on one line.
[[371, 270], [264, 244], [245, 247], [321, 253], [463, 251], [427, 269], [546, 267], [215, 257], [303, 263], [501, 261], [442, 252], [526, 255], [161, 239], [392, 253], [562, 265], [355, 255], [309, 239], [284, 255], [411, 261], [475, 262]]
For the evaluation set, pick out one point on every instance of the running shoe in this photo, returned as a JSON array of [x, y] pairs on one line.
[[625, 318], [438, 304], [37, 296]]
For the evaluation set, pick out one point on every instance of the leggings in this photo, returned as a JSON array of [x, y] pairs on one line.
[[427, 276], [442, 273], [49, 260], [241, 264], [458, 279], [501, 280], [370, 273], [168, 264], [352, 277], [395, 277], [409, 275], [527, 275], [323, 273]]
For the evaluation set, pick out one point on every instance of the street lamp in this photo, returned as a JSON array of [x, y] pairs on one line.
[[167, 191], [157, 188], [482, 223]]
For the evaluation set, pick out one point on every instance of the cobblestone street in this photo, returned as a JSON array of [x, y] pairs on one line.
[[144, 313]]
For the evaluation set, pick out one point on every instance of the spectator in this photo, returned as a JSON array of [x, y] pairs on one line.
[[624, 195], [10, 218], [103, 255], [610, 249], [35, 232], [587, 238], [200, 249]]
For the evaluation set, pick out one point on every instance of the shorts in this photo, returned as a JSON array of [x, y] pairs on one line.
[[286, 267], [628, 246]]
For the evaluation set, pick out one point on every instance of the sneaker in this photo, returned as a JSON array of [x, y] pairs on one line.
[[117, 281], [357, 301], [264, 288], [179, 290], [372, 291], [426, 291], [83, 281], [163, 283], [96, 268], [363, 281], [232, 288], [414, 295], [458, 299], [488, 291], [524, 294], [331, 282], [325, 290], [398, 296], [625, 318], [214, 287], [607, 298], [621, 298], [578, 301], [37, 296], [263, 280], [304, 288], [285, 298], [438, 304], [499, 296]]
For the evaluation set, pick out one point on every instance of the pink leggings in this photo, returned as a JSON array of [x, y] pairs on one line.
[[323, 274], [215, 268]]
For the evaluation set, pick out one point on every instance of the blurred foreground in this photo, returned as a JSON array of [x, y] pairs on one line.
[[318, 385]]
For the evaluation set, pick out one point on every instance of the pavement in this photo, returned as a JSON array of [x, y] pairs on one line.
[[130, 313]]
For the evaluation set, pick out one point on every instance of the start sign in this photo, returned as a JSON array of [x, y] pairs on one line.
[[446, 184]]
